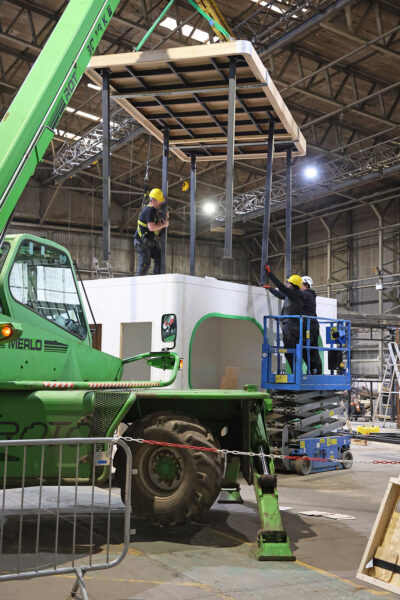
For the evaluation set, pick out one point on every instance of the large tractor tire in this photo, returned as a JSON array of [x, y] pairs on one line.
[[171, 486]]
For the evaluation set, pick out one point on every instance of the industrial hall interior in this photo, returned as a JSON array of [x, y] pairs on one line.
[[199, 299]]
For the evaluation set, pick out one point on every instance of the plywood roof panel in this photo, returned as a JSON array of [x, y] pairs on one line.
[[186, 90]]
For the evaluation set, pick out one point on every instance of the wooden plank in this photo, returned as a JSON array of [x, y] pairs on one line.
[[219, 140], [384, 542], [230, 378]]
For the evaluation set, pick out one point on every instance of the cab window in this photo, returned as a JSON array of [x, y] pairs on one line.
[[41, 279], [3, 255]]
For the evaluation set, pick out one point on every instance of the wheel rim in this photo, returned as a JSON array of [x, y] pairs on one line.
[[303, 466], [347, 457], [163, 470]]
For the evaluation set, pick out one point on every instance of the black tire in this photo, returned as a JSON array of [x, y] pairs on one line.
[[303, 466], [347, 456], [172, 486]]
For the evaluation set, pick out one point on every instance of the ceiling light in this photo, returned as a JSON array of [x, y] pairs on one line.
[[310, 172], [93, 86], [209, 208]]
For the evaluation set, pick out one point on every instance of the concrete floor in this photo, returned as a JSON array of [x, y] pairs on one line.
[[214, 560]]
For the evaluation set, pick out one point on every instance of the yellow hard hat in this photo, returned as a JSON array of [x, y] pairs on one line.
[[296, 280], [185, 186], [157, 194]]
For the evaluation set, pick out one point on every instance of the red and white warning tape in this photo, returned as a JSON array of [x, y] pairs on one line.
[[252, 454]]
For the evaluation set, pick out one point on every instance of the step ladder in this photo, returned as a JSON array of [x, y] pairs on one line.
[[102, 268], [391, 377]]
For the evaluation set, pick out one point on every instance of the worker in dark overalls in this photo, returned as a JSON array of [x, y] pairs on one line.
[[149, 226], [310, 310], [292, 305]]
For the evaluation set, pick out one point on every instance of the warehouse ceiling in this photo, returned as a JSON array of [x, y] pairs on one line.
[[335, 62]]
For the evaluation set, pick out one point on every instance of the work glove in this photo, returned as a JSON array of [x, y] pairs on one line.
[[267, 287], [267, 268]]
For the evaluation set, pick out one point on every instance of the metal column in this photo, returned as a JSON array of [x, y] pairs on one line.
[[288, 212], [105, 100], [230, 161], [192, 214], [380, 287], [165, 161], [328, 257], [267, 204]]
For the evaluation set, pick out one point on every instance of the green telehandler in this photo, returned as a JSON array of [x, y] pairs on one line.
[[53, 384]]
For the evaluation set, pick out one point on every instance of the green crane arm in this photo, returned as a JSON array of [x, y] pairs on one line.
[[28, 126]]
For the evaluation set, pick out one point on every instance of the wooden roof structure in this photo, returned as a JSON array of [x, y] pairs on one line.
[[185, 89]]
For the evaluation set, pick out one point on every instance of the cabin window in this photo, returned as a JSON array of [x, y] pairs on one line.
[[42, 279]]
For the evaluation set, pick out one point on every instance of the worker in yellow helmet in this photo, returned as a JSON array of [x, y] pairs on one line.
[[149, 226], [310, 326], [293, 302]]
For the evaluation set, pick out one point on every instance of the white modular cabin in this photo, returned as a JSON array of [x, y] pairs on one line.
[[220, 324]]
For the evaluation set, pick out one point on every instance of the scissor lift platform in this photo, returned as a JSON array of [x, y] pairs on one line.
[[308, 410]]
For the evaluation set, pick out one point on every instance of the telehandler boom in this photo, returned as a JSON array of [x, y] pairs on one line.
[[53, 384]]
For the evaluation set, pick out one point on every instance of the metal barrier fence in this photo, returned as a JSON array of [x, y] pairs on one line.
[[59, 521]]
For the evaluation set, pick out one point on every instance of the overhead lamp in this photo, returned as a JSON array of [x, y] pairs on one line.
[[310, 172], [209, 208]]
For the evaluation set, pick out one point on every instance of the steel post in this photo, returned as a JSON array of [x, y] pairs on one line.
[[230, 161], [267, 203], [165, 161], [289, 189], [380, 280], [105, 101], [328, 257], [192, 214]]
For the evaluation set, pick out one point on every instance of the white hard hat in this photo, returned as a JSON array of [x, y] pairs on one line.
[[308, 280]]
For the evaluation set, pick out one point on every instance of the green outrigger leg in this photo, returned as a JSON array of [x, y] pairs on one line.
[[272, 541]]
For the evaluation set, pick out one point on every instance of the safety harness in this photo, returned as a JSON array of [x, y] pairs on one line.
[[142, 224]]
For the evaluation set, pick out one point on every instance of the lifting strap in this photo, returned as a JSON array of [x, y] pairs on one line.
[[215, 17], [212, 16]]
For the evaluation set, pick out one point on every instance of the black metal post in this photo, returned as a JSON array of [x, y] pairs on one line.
[[267, 204], [230, 160], [289, 189], [193, 165], [165, 161], [105, 99]]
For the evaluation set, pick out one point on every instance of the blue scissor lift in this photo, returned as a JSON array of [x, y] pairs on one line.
[[308, 410]]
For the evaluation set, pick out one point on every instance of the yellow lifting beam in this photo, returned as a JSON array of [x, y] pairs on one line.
[[210, 7]]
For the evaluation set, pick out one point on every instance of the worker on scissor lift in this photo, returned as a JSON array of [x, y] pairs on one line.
[[149, 226], [310, 310], [292, 305]]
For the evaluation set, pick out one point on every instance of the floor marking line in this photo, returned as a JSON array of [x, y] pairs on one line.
[[230, 536], [333, 575]]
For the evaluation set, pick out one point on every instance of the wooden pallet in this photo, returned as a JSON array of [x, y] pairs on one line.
[[186, 90], [380, 564]]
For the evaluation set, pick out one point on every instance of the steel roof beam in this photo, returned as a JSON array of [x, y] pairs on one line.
[[303, 28]]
